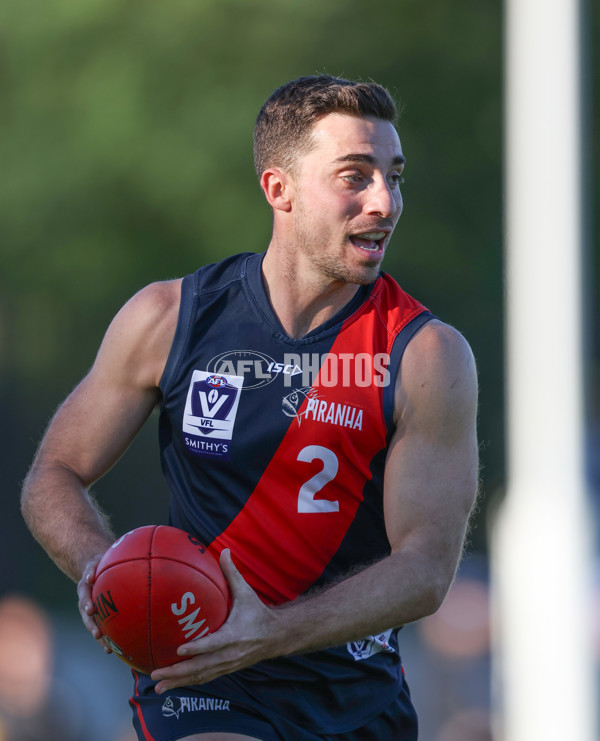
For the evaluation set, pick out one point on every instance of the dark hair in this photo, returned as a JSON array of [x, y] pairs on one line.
[[284, 125]]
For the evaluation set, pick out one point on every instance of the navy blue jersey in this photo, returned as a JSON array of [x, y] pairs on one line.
[[275, 448]]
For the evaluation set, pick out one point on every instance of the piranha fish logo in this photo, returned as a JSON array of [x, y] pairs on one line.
[[171, 707], [291, 403]]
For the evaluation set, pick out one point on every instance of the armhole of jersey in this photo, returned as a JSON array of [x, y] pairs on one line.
[[402, 339], [186, 305]]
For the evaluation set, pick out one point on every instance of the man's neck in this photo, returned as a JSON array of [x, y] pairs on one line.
[[300, 300]]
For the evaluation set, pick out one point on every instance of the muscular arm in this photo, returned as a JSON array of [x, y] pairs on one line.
[[430, 485], [94, 426]]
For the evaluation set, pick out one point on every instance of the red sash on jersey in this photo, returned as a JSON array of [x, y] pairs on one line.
[[297, 516]]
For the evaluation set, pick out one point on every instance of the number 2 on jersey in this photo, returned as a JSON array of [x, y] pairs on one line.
[[306, 496]]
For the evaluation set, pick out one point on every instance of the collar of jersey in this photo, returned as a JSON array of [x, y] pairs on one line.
[[257, 290]]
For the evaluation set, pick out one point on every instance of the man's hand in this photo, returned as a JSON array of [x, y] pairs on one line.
[[86, 606], [247, 636]]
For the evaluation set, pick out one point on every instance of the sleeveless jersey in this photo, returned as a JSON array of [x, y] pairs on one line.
[[275, 448]]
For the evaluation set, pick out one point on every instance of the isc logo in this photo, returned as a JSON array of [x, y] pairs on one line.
[[188, 626]]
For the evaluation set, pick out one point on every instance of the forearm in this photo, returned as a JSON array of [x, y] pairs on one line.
[[402, 588], [63, 517], [399, 589]]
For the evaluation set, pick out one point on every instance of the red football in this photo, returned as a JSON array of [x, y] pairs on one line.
[[156, 588]]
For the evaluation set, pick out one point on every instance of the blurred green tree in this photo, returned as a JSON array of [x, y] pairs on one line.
[[126, 150]]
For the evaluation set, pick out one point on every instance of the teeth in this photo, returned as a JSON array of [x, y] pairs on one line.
[[372, 235]]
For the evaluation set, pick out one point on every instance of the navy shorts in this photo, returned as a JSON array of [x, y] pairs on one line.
[[223, 705]]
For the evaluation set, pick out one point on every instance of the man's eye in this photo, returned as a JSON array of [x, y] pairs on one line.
[[397, 179], [354, 178]]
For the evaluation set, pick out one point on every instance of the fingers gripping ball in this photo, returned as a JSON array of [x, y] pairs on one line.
[[156, 588]]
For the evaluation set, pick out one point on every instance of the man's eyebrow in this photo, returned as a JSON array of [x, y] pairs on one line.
[[399, 159]]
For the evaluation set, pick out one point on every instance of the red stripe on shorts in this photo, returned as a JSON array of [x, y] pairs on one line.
[[147, 735]]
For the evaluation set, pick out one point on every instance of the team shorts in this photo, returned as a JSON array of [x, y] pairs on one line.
[[223, 705]]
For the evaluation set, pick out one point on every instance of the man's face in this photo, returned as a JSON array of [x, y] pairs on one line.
[[348, 198]]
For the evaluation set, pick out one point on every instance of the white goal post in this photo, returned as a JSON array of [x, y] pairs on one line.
[[542, 538]]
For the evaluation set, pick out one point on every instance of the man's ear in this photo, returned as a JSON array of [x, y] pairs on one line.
[[277, 186]]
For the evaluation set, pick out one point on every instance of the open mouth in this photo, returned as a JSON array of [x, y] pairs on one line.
[[369, 241]]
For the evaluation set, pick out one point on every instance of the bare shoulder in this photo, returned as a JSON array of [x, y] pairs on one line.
[[140, 336], [157, 304], [441, 346], [438, 375]]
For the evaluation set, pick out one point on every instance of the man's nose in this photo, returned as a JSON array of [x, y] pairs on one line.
[[382, 199]]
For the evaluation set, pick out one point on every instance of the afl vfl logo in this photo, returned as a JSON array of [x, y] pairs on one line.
[[255, 367], [210, 411], [216, 381]]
